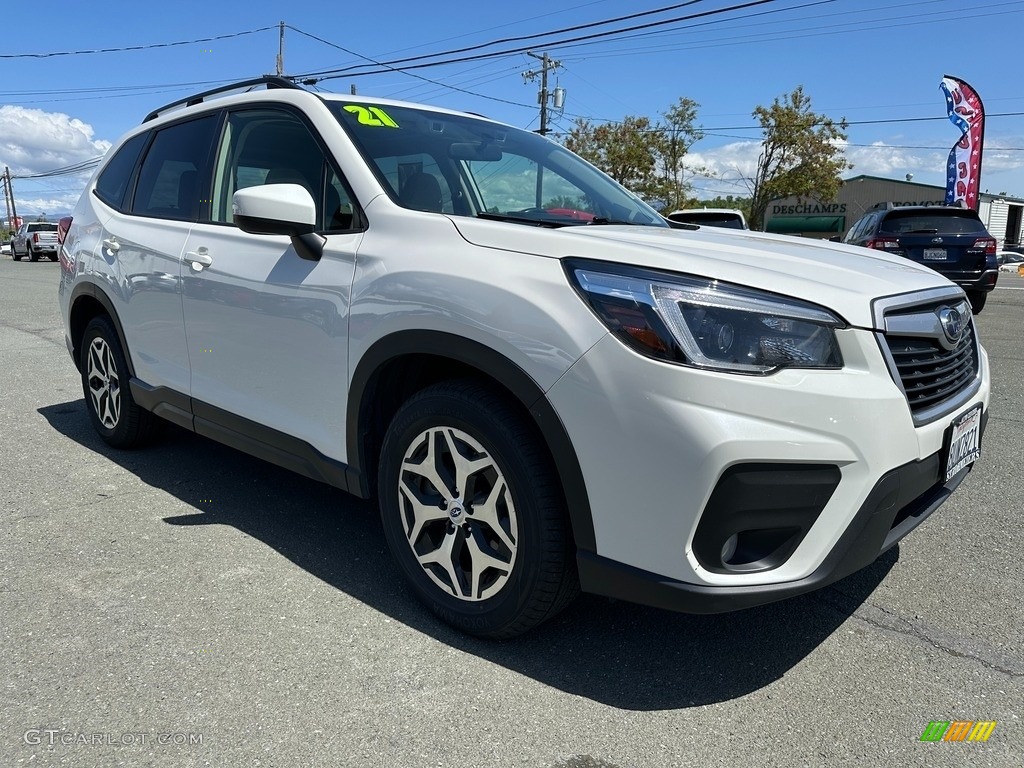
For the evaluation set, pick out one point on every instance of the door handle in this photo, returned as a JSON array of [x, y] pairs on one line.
[[198, 259], [112, 245]]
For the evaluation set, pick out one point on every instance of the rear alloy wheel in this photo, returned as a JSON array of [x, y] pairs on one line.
[[32, 255], [977, 299], [473, 512], [115, 415]]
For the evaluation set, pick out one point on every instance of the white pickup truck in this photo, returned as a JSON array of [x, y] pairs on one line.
[[33, 239]]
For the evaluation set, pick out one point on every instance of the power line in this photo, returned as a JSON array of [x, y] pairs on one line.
[[131, 47], [341, 72], [395, 69], [521, 38], [67, 170]]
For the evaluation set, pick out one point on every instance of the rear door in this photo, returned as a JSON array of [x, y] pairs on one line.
[[143, 242]]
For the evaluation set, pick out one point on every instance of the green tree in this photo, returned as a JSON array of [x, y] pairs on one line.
[[647, 158], [626, 151], [800, 154], [675, 137]]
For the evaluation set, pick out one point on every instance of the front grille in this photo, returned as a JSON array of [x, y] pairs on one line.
[[931, 375]]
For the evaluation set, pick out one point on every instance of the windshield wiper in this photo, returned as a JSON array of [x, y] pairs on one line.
[[525, 220], [603, 220]]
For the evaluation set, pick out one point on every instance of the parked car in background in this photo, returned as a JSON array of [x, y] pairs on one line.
[[1009, 261], [730, 218], [35, 239], [951, 240]]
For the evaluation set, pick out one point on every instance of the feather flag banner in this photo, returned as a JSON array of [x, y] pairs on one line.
[[963, 167]]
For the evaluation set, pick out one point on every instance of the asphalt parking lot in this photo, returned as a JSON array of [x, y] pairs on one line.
[[191, 606]]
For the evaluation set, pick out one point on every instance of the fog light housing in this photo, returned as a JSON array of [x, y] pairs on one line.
[[759, 513]]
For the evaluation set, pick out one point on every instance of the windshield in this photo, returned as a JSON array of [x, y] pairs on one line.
[[463, 166]]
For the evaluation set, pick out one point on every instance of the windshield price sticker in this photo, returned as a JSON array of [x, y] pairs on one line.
[[374, 116], [964, 442]]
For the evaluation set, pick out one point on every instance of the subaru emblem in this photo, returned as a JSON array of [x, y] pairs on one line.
[[952, 323], [936, 239]]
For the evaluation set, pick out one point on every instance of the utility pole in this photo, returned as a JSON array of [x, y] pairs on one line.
[[12, 210], [547, 64], [280, 50]]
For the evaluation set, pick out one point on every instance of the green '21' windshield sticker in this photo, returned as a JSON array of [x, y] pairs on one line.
[[374, 116]]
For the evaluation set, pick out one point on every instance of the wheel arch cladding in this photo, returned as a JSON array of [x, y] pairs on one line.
[[88, 301], [399, 365]]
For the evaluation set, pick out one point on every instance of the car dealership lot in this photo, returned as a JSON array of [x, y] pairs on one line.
[[190, 605]]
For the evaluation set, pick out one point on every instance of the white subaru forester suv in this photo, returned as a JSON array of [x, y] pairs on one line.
[[546, 385]]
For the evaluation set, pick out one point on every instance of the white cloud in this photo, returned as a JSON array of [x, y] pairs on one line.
[[730, 164], [32, 141], [884, 160]]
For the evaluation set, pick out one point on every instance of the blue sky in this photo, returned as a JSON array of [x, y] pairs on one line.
[[863, 60]]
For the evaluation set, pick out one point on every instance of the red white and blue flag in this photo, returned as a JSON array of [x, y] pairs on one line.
[[963, 168]]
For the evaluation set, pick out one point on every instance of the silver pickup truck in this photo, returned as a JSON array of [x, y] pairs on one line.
[[35, 239]]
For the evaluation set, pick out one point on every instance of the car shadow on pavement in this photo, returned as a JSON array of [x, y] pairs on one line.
[[619, 654]]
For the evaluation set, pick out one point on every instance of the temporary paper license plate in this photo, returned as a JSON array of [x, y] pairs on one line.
[[964, 442], [934, 254]]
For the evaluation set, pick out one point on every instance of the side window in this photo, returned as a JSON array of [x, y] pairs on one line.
[[174, 171], [274, 146], [113, 182]]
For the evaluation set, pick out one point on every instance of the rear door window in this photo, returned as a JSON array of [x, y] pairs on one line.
[[174, 173], [113, 182]]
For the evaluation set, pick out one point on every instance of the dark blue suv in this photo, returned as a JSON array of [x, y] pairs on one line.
[[951, 240]]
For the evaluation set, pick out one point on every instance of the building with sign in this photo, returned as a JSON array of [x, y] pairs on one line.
[[1003, 216]]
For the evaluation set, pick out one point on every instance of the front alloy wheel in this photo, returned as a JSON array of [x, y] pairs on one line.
[[473, 510], [458, 515]]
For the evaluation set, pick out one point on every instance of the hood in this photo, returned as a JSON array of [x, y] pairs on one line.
[[845, 279]]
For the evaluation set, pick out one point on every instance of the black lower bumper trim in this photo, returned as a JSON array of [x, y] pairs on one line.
[[899, 502]]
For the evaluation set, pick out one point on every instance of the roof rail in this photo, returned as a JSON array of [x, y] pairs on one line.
[[271, 81]]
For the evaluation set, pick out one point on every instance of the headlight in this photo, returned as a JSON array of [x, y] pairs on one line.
[[707, 324]]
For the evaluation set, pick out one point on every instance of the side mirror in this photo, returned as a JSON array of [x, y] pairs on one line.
[[280, 209], [274, 209]]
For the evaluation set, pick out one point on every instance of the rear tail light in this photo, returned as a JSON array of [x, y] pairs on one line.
[[62, 229], [35, 237], [883, 243], [988, 243]]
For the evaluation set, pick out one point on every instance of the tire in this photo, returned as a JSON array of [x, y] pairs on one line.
[[53, 257], [494, 558], [14, 253], [114, 414], [977, 299], [32, 255]]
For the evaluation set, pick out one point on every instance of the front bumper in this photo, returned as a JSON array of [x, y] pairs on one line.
[[898, 503], [670, 438]]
